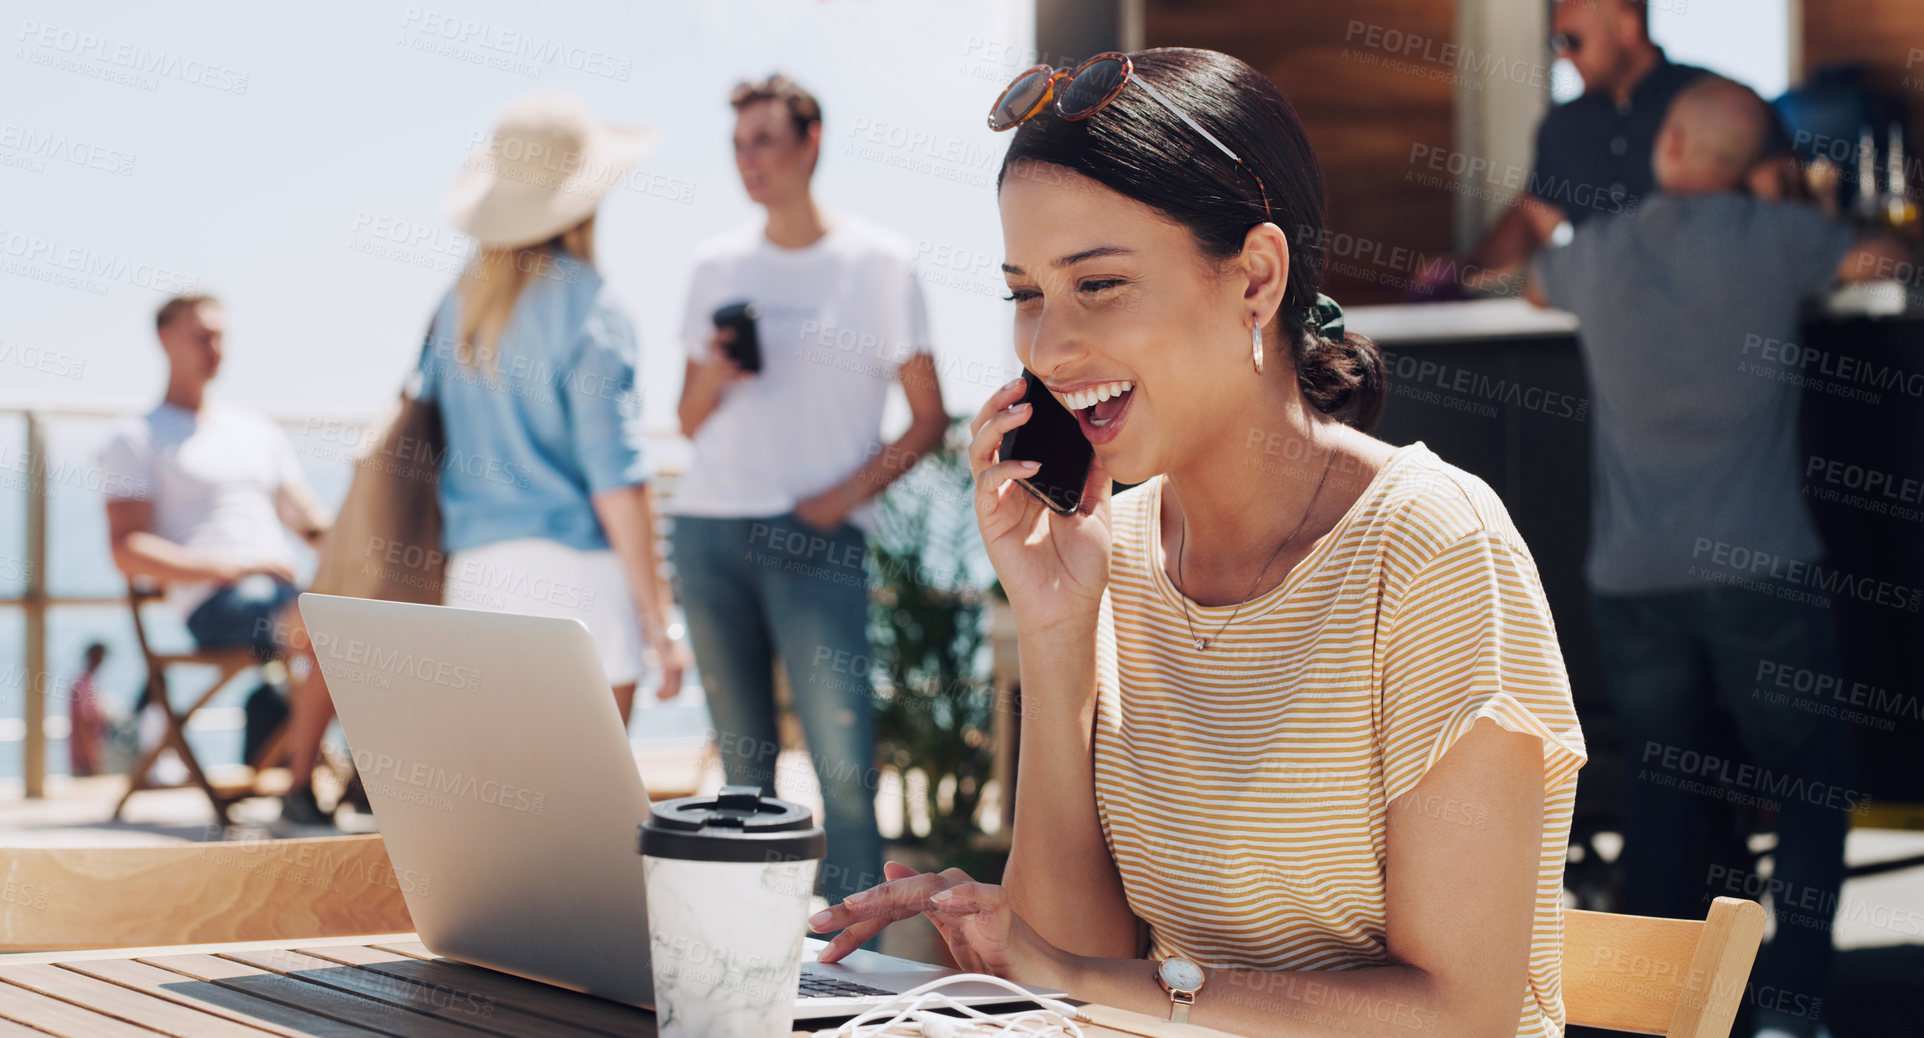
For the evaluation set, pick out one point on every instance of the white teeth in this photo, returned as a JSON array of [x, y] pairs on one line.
[[1087, 398]]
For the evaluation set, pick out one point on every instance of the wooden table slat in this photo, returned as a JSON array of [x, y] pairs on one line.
[[315, 998], [445, 1001], [530, 995], [124, 1003], [337, 989], [264, 1015], [63, 1018]]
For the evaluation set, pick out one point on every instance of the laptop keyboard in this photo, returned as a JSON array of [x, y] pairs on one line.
[[816, 985]]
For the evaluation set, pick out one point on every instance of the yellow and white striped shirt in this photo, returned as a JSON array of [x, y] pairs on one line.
[[1243, 789]]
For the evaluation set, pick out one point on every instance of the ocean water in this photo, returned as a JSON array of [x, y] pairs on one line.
[[80, 564]]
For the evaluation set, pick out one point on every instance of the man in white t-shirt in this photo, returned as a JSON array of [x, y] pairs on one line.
[[771, 516], [200, 496]]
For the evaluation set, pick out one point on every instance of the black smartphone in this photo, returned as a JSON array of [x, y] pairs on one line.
[[1053, 437], [746, 346]]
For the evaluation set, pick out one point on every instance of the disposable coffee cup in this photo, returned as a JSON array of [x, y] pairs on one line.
[[728, 883]]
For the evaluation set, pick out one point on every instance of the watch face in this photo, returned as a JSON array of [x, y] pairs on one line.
[[1181, 974]]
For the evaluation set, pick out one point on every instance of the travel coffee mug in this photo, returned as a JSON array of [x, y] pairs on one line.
[[728, 883]]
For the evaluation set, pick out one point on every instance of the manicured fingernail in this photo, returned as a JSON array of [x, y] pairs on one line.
[[1018, 380], [817, 921], [1019, 408], [942, 897], [1031, 466]]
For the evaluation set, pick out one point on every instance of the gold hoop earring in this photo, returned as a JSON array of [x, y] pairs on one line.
[[1256, 345]]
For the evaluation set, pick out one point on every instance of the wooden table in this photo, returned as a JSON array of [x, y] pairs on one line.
[[348, 987]]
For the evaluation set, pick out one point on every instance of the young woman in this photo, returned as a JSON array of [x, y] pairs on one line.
[[1298, 750], [545, 501]]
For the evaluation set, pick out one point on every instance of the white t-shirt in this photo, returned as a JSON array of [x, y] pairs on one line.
[[213, 478], [837, 319]]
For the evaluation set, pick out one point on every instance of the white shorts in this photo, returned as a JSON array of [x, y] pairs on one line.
[[546, 578]]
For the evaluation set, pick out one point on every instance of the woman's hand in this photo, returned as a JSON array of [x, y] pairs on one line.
[[982, 931], [1053, 567], [671, 653]]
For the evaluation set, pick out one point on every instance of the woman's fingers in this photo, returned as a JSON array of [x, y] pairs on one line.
[[972, 918], [1008, 394], [852, 938], [994, 480], [988, 440], [862, 915]]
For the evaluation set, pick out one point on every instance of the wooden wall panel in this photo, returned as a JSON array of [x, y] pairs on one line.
[[1370, 79]]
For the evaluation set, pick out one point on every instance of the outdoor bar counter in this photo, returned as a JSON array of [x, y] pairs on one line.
[[1497, 387]]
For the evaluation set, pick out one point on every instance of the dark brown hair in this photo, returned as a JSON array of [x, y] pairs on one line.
[[1137, 148], [177, 306], [803, 110]]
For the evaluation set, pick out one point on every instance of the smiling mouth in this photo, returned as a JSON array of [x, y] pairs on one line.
[[1099, 404]]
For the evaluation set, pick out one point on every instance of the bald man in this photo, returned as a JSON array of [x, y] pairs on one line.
[[1702, 554], [1593, 154]]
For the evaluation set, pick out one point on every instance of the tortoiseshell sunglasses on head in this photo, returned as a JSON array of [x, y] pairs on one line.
[[1083, 92]]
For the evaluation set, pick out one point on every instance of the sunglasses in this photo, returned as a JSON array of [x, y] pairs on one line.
[[1083, 92], [1565, 43]]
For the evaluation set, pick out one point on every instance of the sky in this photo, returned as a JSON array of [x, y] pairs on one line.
[[293, 158]]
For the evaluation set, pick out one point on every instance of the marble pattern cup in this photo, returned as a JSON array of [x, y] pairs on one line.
[[728, 884]]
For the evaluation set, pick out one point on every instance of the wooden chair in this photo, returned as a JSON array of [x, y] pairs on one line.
[[1675, 977], [62, 898], [229, 663]]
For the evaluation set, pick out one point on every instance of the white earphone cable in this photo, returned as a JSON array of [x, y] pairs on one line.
[[914, 1016]]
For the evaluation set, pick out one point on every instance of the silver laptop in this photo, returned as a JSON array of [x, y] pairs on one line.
[[509, 800]]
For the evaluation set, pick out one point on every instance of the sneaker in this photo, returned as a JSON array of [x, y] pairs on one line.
[[300, 811]]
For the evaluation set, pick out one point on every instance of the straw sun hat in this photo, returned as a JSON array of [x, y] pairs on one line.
[[545, 169]]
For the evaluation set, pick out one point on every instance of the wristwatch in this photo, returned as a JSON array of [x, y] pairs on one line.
[[1182, 978]]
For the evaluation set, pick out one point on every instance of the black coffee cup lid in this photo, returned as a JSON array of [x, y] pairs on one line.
[[738, 824]]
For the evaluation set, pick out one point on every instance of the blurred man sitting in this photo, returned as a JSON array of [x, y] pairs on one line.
[[1694, 445], [197, 500]]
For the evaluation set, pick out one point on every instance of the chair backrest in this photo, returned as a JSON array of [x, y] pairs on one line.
[[60, 898], [1677, 977]]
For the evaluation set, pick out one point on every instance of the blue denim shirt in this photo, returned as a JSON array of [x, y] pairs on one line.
[[555, 419]]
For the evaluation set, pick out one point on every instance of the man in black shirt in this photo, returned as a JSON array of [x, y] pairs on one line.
[[1593, 154]]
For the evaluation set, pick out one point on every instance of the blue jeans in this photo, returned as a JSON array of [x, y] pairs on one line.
[[1669, 661], [757, 589], [243, 614]]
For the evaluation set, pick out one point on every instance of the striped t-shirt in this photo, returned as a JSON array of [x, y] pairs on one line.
[[1243, 789]]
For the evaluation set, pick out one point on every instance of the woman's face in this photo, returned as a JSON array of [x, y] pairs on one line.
[[1110, 293]]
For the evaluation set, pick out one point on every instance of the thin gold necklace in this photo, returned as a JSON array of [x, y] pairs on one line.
[[1183, 542]]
